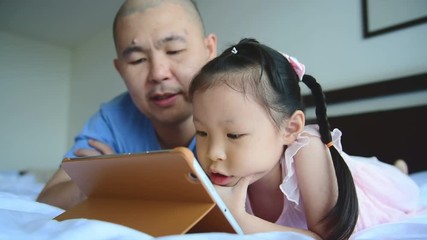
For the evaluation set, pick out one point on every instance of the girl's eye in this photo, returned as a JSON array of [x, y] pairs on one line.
[[201, 134], [234, 135]]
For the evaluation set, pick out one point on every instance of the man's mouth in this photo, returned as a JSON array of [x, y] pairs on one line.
[[164, 100]]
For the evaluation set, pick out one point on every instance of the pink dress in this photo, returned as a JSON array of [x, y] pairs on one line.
[[385, 194]]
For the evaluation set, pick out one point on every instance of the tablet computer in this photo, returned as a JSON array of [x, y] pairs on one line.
[[159, 192]]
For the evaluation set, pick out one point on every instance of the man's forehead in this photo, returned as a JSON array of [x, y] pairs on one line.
[[150, 27], [141, 45], [137, 6], [154, 20], [141, 7]]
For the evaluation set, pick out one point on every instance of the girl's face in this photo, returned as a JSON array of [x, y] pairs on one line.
[[235, 136]]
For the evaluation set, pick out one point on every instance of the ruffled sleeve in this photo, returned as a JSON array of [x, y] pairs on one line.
[[289, 186]]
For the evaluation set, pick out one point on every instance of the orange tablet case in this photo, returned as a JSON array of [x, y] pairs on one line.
[[153, 192]]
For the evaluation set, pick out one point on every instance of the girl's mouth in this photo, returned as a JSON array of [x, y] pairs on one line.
[[219, 179]]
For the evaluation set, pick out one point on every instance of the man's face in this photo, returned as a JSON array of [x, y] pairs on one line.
[[158, 53]]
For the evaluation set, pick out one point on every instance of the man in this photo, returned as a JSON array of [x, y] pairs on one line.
[[160, 46]]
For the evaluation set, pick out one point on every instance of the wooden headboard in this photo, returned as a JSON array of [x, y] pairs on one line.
[[388, 134]]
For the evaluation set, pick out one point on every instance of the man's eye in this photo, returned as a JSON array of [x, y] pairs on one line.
[[174, 52], [138, 61], [201, 134], [234, 135]]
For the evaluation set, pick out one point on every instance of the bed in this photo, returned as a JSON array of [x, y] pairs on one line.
[[396, 129]]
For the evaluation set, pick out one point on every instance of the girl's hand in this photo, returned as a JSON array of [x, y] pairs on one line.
[[235, 196]]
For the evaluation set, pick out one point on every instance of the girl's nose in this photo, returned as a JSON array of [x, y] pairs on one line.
[[216, 152]]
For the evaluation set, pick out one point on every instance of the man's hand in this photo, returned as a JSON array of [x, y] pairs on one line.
[[100, 148]]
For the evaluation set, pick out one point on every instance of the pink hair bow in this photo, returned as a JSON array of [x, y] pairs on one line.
[[298, 67]]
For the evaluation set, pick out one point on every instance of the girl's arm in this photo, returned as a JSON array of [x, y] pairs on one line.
[[253, 224], [235, 196], [317, 183]]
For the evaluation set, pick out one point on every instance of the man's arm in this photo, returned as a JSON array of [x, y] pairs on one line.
[[60, 191]]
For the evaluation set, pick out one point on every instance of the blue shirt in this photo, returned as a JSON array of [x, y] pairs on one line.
[[121, 125]]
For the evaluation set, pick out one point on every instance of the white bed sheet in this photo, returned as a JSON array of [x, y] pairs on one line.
[[21, 217]]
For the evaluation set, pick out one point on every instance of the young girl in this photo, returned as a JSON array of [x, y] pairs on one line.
[[275, 173]]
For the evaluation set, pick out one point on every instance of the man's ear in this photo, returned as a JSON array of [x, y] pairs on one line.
[[116, 65], [293, 126], [211, 45]]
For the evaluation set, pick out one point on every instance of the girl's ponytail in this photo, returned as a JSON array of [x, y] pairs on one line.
[[342, 218]]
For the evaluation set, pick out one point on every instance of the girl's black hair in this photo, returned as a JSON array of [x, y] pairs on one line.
[[268, 75]]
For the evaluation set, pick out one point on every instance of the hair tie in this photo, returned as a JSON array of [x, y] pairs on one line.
[[298, 67], [330, 144], [234, 50]]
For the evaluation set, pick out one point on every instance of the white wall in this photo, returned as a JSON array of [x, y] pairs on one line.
[[94, 79], [34, 95]]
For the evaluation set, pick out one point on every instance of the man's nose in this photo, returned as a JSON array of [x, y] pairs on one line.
[[159, 68]]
